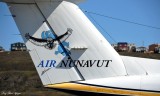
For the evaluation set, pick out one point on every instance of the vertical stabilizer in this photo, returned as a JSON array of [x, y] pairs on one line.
[[80, 41]]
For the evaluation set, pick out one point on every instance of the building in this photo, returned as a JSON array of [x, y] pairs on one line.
[[157, 50], [141, 49], [1, 49], [122, 46], [18, 47], [153, 47], [131, 47]]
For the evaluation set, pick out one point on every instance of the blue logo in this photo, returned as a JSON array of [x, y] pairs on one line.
[[49, 34]]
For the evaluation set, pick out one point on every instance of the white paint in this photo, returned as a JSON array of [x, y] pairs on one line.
[[142, 73]]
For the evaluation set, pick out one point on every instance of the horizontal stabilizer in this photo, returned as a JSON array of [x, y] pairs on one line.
[[139, 66]]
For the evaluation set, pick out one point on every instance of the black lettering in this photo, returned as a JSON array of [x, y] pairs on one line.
[[79, 63], [86, 64], [99, 63], [65, 64], [108, 61], [71, 64], [91, 63]]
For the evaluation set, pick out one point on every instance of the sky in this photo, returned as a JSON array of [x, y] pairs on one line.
[[146, 12]]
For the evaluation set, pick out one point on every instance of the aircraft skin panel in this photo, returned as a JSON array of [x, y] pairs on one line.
[[132, 67], [151, 82], [68, 15], [36, 60], [139, 66], [29, 20]]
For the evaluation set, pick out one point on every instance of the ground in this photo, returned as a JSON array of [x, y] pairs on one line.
[[18, 76]]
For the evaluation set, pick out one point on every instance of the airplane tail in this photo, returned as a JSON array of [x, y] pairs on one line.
[[86, 46]]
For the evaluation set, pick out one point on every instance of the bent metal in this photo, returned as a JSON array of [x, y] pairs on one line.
[[75, 63]]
